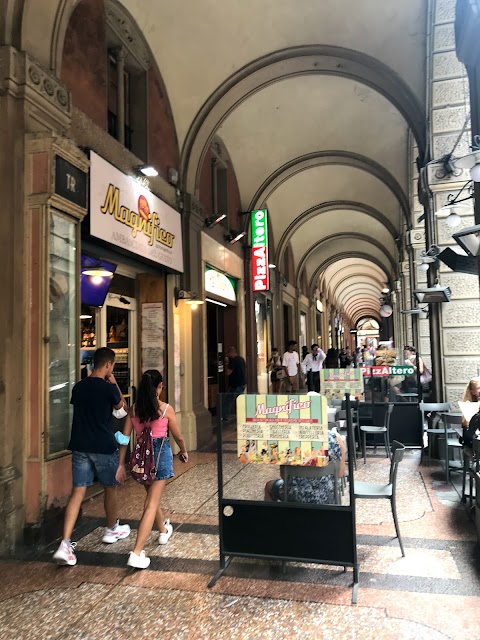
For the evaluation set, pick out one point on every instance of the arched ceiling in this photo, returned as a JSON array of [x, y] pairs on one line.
[[315, 102]]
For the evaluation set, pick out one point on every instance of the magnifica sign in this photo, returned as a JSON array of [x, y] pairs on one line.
[[282, 429], [127, 215], [260, 272]]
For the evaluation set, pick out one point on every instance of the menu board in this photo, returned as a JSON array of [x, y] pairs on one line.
[[335, 383], [153, 336], [282, 429]]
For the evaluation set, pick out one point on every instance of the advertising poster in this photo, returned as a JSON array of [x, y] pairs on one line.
[[335, 383], [282, 429]]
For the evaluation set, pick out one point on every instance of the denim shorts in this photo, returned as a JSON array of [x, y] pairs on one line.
[[88, 466], [165, 462]]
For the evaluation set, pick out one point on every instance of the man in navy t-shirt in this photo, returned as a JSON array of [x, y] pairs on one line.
[[94, 450]]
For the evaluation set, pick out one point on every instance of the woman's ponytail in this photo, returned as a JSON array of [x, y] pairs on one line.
[[146, 406]]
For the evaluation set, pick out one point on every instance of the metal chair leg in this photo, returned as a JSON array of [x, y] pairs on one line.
[[388, 445], [395, 520], [464, 477], [364, 447]]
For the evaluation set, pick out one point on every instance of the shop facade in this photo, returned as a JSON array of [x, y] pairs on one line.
[[102, 251]]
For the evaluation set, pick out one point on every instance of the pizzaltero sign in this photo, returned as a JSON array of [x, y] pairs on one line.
[[127, 215], [260, 273]]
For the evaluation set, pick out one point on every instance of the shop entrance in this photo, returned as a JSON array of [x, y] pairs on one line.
[[221, 334], [113, 325]]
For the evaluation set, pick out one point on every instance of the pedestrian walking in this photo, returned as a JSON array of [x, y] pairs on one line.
[[160, 417], [94, 451], [291, 364], [311, 366]]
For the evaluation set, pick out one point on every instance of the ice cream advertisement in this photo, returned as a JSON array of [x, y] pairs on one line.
[[282, 429], [335, 383]]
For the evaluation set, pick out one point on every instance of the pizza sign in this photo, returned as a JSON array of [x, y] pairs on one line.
[[260, 273]]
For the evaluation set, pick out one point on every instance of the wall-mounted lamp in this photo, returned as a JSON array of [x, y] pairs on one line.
[[421, 313], [432, 295], [234, 236], [147, 170], [454, 207], [386, 310], [213, 220], [469, 240], [472, 160], [386, 289], [190, 297], [272, 266], [428, 257]]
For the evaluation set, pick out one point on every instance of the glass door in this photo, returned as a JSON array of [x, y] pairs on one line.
[[119, 324]]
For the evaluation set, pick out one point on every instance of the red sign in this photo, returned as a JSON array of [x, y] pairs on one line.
[[378, 372], [260, 270]]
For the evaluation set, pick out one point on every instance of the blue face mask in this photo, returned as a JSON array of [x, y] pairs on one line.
[[121, 439]]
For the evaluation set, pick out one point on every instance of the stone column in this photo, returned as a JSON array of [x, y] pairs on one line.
[[31, 101], [450, 131]]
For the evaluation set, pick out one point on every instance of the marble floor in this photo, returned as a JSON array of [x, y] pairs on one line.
[[431, 593]]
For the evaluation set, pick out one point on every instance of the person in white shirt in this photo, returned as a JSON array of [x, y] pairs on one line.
[[311, 366], [291, 364]]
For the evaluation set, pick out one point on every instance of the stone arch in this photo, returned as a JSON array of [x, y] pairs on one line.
[[293, 61], [354, 236], [325, 207], [321, 158], [354, 276], [340, 256], [361, 287]]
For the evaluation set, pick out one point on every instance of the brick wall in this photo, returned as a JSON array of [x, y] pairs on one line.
[[163, 145], [84, 71], [84, 62]]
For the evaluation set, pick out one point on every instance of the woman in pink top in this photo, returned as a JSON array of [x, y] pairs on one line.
[[149, 409]]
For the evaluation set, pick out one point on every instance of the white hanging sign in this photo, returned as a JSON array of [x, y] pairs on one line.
[[127, 215]]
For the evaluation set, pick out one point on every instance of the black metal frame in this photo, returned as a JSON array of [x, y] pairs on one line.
[[255, 527]]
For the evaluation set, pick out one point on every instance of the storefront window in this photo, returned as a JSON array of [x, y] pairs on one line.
[[62, 369]]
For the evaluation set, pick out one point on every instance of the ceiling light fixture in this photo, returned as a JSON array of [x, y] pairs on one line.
[[220, 304], [472, 160], [147, 170], [97, 272]]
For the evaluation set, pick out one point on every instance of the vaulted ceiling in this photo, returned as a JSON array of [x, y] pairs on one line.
[[315, 101]]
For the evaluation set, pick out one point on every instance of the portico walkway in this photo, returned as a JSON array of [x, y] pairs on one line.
[[432, 593]]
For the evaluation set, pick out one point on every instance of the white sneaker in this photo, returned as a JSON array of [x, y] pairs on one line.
[[65, 554], [163, 538], [119, 532], [138, 562]]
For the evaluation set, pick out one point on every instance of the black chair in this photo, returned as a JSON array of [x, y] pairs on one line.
[[428, 410], [373, 491], [471, 466], [385, 429]]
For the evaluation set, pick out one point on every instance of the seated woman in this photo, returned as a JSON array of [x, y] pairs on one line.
[[472, 394], [311, 490]]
